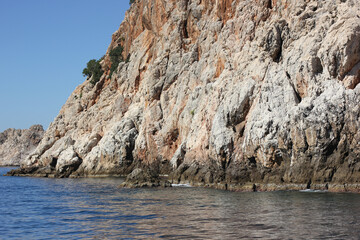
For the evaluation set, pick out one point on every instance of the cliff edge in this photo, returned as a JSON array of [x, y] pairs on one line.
[[235, 94]]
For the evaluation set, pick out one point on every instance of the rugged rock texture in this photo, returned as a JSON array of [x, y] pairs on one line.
[[234, 94], [144, 178], [16, 144]]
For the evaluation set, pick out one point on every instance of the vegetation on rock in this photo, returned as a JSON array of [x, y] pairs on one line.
[[115, 58], [93, 71]]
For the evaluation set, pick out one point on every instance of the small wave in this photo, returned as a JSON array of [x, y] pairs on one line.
[[312, 190], [180, 185]]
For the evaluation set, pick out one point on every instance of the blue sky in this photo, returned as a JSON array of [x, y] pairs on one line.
[[44, 46]]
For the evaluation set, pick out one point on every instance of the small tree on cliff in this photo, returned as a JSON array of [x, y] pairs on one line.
[[132, 1], [115, 58], [93, 71]]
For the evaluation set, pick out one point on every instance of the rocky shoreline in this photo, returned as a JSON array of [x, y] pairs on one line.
[[145, 177]]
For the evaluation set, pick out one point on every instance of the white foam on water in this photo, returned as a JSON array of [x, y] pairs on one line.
[[312, 190], [181, 185]]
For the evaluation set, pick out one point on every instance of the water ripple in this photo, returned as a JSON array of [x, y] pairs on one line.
[[38, 208]]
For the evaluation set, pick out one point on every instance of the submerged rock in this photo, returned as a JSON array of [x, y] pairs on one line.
[[228, 94]]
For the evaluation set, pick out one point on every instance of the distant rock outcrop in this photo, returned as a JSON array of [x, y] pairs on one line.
[[17, 144], [235, 94]]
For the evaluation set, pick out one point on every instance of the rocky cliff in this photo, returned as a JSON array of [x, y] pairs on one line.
[[234, 94], [17, 144]]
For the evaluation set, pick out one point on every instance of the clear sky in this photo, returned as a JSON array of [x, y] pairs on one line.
[[44, 46]]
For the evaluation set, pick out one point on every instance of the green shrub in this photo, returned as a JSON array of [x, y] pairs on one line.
[[93, 68], [131, 2], [93, 71], [115, 57]]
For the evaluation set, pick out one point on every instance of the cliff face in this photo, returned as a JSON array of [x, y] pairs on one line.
[[16, 144], [221, 93]]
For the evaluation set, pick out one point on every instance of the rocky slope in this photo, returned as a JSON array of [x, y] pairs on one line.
[[17, 144], [234, 94]]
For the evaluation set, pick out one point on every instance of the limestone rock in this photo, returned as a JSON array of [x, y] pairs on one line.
[[16, 144], [143, 178], [230, 94]]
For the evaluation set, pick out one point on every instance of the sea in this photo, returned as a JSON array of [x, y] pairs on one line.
[[96, 208]]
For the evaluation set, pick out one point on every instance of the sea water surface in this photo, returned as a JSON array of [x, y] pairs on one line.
[[95, 208]]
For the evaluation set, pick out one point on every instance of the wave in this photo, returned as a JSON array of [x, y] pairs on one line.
[[181, 185], [312, 190]]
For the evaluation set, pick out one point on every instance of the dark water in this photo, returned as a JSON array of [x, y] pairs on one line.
[[38, 208]]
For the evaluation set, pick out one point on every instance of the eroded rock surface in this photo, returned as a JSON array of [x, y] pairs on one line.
[[144, 177], [234, 94], [17, 144]]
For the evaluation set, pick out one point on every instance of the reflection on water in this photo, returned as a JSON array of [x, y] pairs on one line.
[[38, 208]]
